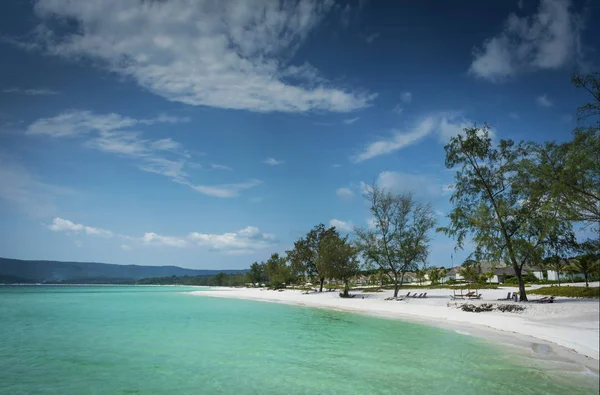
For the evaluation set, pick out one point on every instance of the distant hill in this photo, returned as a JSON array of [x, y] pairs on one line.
[[20, 271]]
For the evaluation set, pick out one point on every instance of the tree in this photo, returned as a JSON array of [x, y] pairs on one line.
[[420, 274], [399, 240], [276, 270], [498, 201], [442, 273], [570, 171], [305, 257], [588, 263], [257, 273], [434, 275], [341, 257], [469, 272]]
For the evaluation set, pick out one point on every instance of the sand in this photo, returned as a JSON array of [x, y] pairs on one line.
[[572, 324]]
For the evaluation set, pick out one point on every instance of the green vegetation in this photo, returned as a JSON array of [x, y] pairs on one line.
[[399, 239], [571, 292]]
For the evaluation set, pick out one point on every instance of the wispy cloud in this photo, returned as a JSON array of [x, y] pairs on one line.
[[224, 54], [31, 92], [351, 120], [272, 162], [398, 109], [514, 115], [422, 186], [371, 37], [248, 239], [344, 193], [225, 190], [220, 167], [444, 125], [342, 226], [543, 101], [64, 225], [22, 189], [548, 40], [109, 133], [406, 97]]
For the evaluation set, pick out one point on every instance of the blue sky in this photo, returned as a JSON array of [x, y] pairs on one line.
[[209, 134]]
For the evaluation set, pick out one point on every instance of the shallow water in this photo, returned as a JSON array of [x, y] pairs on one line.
[[159, 340]]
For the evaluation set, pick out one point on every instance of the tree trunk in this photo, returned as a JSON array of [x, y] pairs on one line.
[[401, 279], [558, 277], [321, 281], [522, 294], [396, 285], [346, 288], [586, 279]]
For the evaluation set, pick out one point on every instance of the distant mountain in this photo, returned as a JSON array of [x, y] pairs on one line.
[[20, 271]]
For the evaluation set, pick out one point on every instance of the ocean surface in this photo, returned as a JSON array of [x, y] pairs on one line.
[[158, 340]]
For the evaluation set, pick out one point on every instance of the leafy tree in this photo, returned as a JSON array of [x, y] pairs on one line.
[[220, 279], [442, 273], [257, 273], [434, 275], [470, 272], [276, 270], [305, 257], [587, 264], [420, 274], [570, 171], [494, 204], [400, 238], [341, 257]]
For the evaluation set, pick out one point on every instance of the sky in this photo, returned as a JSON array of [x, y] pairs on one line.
[[210, 134]]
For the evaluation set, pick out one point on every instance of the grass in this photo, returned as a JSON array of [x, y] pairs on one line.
[[571, 292], [367, 290], [437, 286]]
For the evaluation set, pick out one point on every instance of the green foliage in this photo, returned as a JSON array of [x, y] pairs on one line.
[[399, 240], [221, 279], [372, 290], [340, 257], [571, 292], [305, 257]]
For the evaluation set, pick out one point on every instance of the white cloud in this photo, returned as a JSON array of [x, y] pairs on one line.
[[548, 40], [398, 109], [272, 162], [342, 226], [31, 92], [351, 120], [345, 193], [22, 189], [225, 190], [543, 101], [64, 225], [514, 115], [444, 125], [336, 165], [566, 118], [165, 156], [423, 187], [220, 167], [224, 54], [406, 97], [247, 239], [152, 238], [371, 37]]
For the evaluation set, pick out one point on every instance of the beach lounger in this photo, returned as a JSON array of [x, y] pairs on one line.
[[508, 297], [407, 295], [424, 296], [416, 297], [475, 296], [545, 299]]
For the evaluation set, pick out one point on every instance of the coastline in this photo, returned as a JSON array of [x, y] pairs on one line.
[[566, 330]]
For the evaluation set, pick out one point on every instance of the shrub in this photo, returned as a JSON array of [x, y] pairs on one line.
[[510, 308], [471, 308], [571, 292], [372, 290]]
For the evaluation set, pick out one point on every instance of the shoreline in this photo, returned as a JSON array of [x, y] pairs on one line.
[[564, 331]]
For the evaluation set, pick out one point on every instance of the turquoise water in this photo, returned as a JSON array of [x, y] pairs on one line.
[[159, 340]]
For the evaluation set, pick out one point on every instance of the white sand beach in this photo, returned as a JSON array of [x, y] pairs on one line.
[[572, 324]]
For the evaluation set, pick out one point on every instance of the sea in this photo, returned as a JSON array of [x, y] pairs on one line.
[[162, 340]]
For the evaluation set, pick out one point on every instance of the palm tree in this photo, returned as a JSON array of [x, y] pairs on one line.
[[469, 272], [434, 275], [442, 273], [420, 275], [586, 265], [558, 266]]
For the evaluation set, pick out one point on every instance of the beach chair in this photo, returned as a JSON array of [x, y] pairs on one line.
[[424, 296], [545, 299], [508, 297], [475, 296], [415, 295], [407, 295]]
